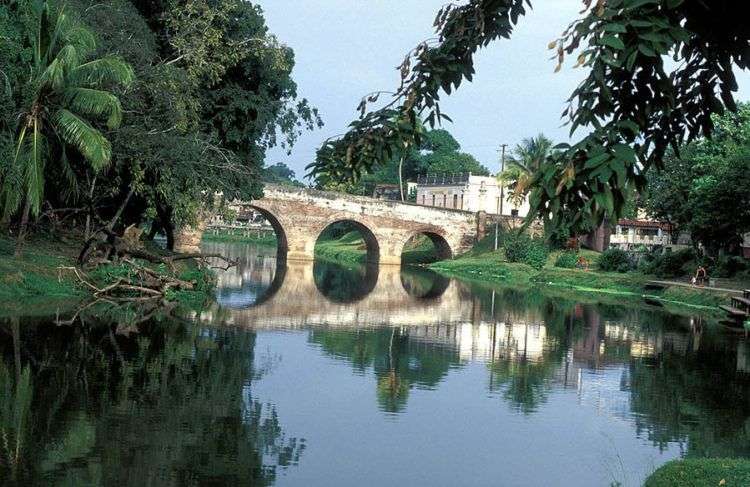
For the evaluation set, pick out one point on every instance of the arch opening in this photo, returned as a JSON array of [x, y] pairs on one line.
[[268, 219], [425, 248], [423, 284], [347, 241], [345, 284]]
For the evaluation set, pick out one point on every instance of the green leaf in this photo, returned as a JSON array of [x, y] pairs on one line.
[[612, 41]]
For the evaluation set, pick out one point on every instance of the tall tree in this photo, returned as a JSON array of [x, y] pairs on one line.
[[705, 189], [64, 94]]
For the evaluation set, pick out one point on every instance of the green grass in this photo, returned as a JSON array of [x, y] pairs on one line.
[[34, 284], [348, 249], [240, 236], [351, 249], [35, 278], [702, 473], [490, 266]]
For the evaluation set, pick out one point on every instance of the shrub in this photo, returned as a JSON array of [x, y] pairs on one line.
[[614, 260], [522, 248], [727, 266], [670, 264], [516, 247], [537, 254], [567, 260]]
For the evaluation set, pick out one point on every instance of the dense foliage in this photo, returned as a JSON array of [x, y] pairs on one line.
[[705, 189], [634, 104], [212, 92], [438, 152], [615, 260]]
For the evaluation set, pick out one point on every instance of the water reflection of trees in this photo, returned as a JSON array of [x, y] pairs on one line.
[[168, 405], [683, 381], [399, 363]]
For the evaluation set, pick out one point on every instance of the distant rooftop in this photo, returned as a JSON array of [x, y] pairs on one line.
[[444, 179]]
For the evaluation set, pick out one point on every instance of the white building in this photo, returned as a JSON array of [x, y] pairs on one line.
[[469, 193], [632, 234]]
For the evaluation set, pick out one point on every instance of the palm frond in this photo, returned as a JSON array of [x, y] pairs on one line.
[[36, 151], [70, 190], [53, 77], [108, 69], [79, 37], [97, 103], [69, 57], [92, 145]]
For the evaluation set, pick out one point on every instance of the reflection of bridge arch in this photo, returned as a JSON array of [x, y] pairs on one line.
[[342, 285], [431, 285], [298, 301], [299, 216]]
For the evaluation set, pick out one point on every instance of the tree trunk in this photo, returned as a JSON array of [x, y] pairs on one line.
[[90, 210], [164, 213], [400, 178], [23, 228]]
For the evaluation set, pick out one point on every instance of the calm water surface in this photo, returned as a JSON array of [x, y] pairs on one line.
[[319, 375]]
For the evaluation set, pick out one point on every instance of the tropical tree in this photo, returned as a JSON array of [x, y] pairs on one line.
[[527, 159], [705, 189], [66, 94]]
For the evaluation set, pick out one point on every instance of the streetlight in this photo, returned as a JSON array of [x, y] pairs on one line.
[[499, 208]]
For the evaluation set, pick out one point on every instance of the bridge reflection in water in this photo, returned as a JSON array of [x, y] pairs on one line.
[[478, 324], [265, 293]]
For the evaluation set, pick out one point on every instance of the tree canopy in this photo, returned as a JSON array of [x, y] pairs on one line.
[[657, 72], [705, 189], [212, 92], [438, 152]]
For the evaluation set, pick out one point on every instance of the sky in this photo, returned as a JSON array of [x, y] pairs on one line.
[[347, 48]]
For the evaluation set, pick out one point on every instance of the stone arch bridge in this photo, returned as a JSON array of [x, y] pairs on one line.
[[299, 216]]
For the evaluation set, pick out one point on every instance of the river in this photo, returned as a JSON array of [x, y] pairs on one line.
[[322, 375]]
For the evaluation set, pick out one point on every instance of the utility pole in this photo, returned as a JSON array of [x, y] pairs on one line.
[[499, 208]]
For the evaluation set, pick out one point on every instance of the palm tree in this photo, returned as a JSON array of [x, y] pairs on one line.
[[65, 94], [528, 157]]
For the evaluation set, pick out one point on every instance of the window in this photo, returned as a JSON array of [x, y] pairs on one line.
[[445, 201], [455, 201], [513, 212], [433, 200], [422, 200]]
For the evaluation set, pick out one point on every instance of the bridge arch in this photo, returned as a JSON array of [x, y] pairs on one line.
[[340, 227], [282, 245], [442, 248]]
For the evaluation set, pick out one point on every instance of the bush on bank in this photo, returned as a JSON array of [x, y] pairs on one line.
[[702, 473]]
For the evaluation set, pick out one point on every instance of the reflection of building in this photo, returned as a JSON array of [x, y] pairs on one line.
[[467, 192]]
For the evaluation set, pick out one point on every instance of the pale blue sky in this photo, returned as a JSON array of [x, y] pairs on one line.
[[346, 48]]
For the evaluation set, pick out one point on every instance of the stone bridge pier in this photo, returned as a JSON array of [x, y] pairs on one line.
[[299, 216]]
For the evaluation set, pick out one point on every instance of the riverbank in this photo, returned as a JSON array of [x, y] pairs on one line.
[[38, 284], [492, 267], [701, 472]]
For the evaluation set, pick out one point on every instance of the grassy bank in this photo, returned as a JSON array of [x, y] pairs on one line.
[[241, 236], [702, 472], [348, 249], [492, 267], [35, 284]]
